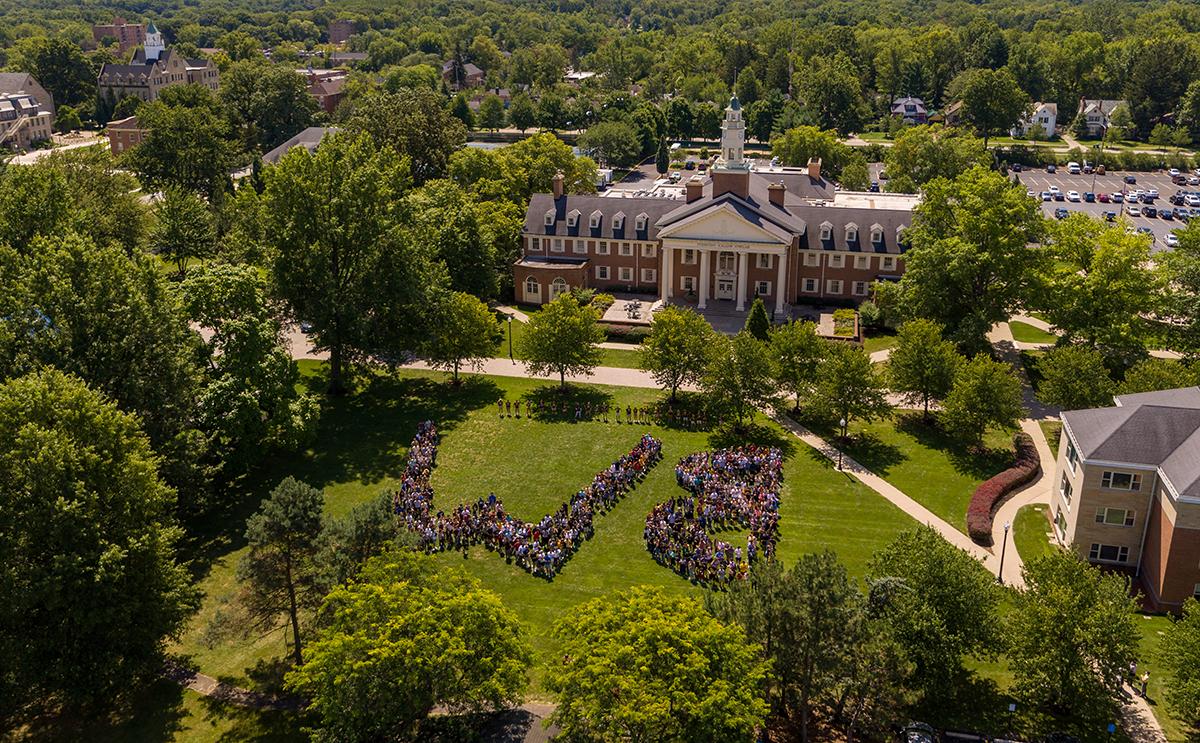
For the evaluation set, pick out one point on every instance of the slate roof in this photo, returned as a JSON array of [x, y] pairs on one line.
[[14, 82], [1153, 429], [308, 139], [540, 203]]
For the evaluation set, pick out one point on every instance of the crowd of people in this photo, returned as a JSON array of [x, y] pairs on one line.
[[662, 414], [541, 548], [730, 488]]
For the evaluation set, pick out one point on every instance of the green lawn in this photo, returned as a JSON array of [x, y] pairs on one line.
[[1029, 532], [1026, 333], [879, 340], [626, 359], [925, 463], [1051, 429], [533, 466]]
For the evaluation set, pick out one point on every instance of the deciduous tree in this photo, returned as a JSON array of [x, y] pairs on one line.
[[848, 386], [1074, 377], [738, 377], [677, 350], [1153, 374], [186, 147], [267, 103], [797, 350], [415, 122], [923, 364], [183, 228], [921, 153], [1180, 651], [465, 333], [991, 100], [986, 394], [613, 143], [562, 338]]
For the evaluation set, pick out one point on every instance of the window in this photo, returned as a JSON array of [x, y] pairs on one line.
[[557, 287], [626, 273], [602, 273], [1196, 591], [887, 263], [550, 218], [557, 247], [762, 288], [1060, 523], [603, 249], [862, 262], [826, 231], [594, 220], [1064, 489], [535, 243], [837, 261], [687, 283], [860, 288], [833, 286], [763, 260], [851, 233], [1121, 481], [1114, 517], [689, 257], [648, 250], [533, 289], [626, 249], [580, 247], [649, 275], [618, 221], [725, 262], [812, 259], [1108, 553], [641, 221], [810, 286], [1072, 455], [876, 234], [573, 218]]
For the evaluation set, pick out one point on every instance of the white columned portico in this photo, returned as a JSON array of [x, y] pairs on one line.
[[705, 278], [743, 269], [667, 254], [780, 278]]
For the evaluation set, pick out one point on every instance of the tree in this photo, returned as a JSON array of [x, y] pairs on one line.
[[677, 350], [1120, 125], [466, 332], [250, 404], [798, 145], [1181, 301], [662, 159], [1180, 652], [267, 103], [445, 219], [1153, 374], [87, 542], [922, 365], [185, 147], [415, 122], [280, 574], [403, 638], [856, 175], [491, 112], [969, 265], [1188, 115], [1072, 634], [747, 87], [757, 322], [562, 338], [461, 110], [831, 89], [1073, 378], [521, 112], [738, 376], [920, 154], [59, 65], [613, 143], [848, 387], [66, 119], [796, 351], [339, 256], [347, 543], [986, 394], [938, 603], [704, 686], [991, 101], [184, 229]]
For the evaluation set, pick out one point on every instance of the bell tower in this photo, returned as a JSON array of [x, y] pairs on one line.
[[731, 173], [154, 46]]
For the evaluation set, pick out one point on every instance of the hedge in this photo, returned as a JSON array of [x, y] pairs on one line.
[[626, 333], [991, 493]]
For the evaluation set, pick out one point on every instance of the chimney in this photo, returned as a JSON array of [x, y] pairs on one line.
[[695, 188], [775, 193], [558, 185], [814, 168]]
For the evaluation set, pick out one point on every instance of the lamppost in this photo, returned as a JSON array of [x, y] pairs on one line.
[[510, 353], [842, 425], [1003, 548]]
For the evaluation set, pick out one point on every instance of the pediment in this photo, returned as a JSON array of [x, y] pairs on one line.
[[725, 223]]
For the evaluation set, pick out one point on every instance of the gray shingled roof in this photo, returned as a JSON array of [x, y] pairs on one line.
[[1155, 429], [308, 139], [540, 203], [14, 82]]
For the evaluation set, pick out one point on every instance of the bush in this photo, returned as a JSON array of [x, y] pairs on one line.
[[583, 296], [991, 493], [844, 323], [602, 302], [870, 315], [627, 333]]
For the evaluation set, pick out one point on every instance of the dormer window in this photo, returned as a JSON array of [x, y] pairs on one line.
[[641, 222], [573, 218], [618, 220], [826, 231], [900, 234], [851, 233], [876, 234], [594, 220], [550, 218]]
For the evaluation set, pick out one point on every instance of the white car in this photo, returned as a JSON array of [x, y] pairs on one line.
[[1073, 168], [1134, 211], [1192, 200], [1152, 193], [1031, 194], [1072, 196], [1171, 240], [1173, 172], [1054, 189]]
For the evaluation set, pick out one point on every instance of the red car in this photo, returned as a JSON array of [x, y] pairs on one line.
[[1102, 198]]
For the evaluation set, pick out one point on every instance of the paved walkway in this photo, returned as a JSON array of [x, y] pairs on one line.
[[210, 687], [1158, 353]]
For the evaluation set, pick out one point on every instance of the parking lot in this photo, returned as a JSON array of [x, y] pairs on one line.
[[1039, 180]]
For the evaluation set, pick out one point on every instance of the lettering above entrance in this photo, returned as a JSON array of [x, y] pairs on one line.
[[726, 227]]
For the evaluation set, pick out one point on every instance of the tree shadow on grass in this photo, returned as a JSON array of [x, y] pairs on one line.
[[576, 402], [507, 726], [730, 435], [976, 463]]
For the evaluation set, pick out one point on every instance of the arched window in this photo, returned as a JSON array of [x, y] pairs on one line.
[[557, 287], [533, 290]]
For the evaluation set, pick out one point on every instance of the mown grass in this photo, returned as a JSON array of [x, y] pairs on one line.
[[1025, 333]]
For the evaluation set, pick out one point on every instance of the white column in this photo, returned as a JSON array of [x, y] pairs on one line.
[[704, 279], [666, 277], [743, 269], [780, 281]]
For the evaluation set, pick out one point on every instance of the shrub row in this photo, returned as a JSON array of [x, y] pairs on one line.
[[991, 493], [626, 333], [1112, 161]]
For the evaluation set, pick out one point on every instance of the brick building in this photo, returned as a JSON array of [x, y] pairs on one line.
[[1127, 492], [128, 35], [26, 111], [153, 68], [783, 234], [124, 134]]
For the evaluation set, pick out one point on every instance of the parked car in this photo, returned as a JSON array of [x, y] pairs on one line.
[[1016, 167], [1047, 196], [918, 732], [1152, 194], [1181, 214], [1087, 168], [1118, 197], [1133, 211], [1060, 196], [1131, 179], [1110, 216], [1072, 196], [1054, 189], [1149, 211], [1031, 194], [1073, 168], [1145, 231], [875, 187], [1194, 180], [1173, 172], [676, 177], [1166, 214], [1192, 199], [1172, 240], [1179, 180], [1089, 197], [1060, 213], [1102, 198], [1051, 169]]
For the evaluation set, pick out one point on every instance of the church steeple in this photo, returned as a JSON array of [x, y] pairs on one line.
[[733, 137], [154, 46]]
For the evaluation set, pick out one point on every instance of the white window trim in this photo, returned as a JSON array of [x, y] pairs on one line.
[[602, 248], [759, 287], [648, 250], [862, 262], [602, 273], [833, 286], [626, 249], [557, 246], [763, 260], [826, 230], [625, 273], [812, 259], [580, 247], [837, 260], [689, 257], [649, 274], [860, 284], [550, 218], [816, 287], [1135, 481], [887, 263], [1128, 517], [687, 283]]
